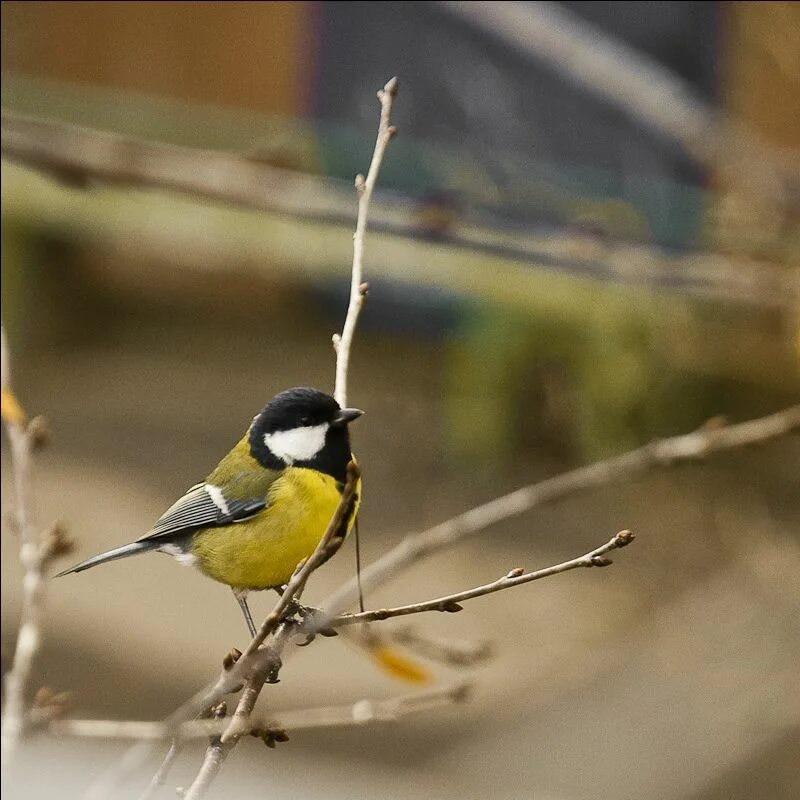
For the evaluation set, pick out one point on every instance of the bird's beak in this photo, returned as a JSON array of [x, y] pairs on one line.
[[346, 415]]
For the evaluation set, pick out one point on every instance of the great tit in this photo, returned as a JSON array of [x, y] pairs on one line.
[[266, 505]]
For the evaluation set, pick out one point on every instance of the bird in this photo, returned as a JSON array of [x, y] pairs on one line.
[[266, 505]]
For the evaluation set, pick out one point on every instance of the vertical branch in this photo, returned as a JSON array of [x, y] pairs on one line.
[[358, 289], [34, 552]]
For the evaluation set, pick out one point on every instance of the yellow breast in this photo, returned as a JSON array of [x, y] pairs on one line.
[[263, 551]]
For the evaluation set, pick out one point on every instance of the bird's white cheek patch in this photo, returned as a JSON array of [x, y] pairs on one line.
[[298, 444]]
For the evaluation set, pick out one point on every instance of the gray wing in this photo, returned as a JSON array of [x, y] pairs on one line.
[[204, 505]]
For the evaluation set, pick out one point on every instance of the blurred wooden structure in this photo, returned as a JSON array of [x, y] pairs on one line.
[[586, 327], [234, 54]]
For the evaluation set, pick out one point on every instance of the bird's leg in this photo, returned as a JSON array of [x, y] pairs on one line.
[[241, 599]]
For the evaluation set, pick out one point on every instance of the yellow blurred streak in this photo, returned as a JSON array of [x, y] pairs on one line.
[[12, 411], [399, 666]]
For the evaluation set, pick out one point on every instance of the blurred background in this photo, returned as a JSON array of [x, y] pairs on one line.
[[585, 236]]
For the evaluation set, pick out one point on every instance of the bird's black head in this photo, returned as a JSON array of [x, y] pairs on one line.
[[303, 427]]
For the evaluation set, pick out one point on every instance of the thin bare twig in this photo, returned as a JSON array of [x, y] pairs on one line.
[[216, 753], [360, 713], [274, 728], [242, 724], [35, 553], [343, 345], [28, 634], [452, 602], [694, 446], [358, 289]]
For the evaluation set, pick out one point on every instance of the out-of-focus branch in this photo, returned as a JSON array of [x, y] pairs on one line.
[[358, 290], [86, 157], [454, 652], [160, 776], [634, 82], [695, 446], [452, 602], [361, 713], [35, 553]]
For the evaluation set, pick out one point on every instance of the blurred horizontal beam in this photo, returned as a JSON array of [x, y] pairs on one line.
[[87, 158], [82, 157]]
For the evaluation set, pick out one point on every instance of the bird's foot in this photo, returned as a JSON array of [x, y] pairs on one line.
[[308, 616], [304, 612], [313, 635]]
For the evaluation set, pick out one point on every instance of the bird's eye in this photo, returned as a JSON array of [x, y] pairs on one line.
[[305, 421]]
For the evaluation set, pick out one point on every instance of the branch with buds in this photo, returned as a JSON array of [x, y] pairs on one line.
[[451, 603], [36, 552], [343, 342]]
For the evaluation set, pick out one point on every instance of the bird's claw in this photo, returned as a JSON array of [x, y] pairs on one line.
[[304, 612]]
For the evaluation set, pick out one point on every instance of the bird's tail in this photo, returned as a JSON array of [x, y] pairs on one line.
[[111, 555]]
